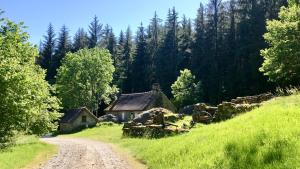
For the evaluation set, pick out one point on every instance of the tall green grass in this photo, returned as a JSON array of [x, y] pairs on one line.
[[28, 152], [265, 138]]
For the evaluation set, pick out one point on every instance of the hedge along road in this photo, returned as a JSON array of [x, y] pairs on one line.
[[86, 154]]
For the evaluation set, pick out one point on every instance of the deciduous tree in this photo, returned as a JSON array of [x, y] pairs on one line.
[[25, 100], [186, 90], [282, 61], [84, 78]]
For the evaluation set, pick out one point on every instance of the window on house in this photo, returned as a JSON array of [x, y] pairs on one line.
[[83, 119]]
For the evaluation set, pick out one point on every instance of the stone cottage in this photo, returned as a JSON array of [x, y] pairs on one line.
[[77, 118], [128, 106]]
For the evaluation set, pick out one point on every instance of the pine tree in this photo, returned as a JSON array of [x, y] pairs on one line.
[[80, 40], [210, 74], [112, 43], [250, 40], [198, 58], [106, 33], [47, 51], [120, 73], [63, 47], [229, 62], [109, 42], [184, 44], [141, 63], [167, 62], [154, 37], [127, 61], [95, 32]]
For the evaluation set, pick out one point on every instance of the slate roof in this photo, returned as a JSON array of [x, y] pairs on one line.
[[132, 102], [73, 113]]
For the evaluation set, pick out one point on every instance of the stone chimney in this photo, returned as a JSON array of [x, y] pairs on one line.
[[155, 87]]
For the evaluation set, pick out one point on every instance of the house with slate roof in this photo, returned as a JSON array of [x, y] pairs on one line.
[[128, 106], [77, 118]]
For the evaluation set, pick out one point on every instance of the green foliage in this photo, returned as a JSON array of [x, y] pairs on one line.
[[25, 100], [185, 90], [282, 57], [84, 78], [265, 138]]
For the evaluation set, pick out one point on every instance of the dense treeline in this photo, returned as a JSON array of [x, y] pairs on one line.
[[221, 47]]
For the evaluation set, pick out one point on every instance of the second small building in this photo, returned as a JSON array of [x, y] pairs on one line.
[[75, 119]]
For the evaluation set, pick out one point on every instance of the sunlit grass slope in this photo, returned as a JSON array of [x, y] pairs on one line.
[[265, 138], [27, 153]]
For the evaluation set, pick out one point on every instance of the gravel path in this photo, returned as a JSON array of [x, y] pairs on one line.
[[85, 154]]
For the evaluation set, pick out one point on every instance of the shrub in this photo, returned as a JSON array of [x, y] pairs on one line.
[[186, 90]]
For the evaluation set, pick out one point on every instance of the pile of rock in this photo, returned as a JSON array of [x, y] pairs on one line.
[[151, 123], [203, 113], [227, 110], [253, 99], [108, 118]]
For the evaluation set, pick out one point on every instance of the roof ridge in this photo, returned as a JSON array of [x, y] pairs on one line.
[[137, 93], [133, 101]]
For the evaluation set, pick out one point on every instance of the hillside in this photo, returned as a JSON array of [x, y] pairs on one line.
[[266, 138]]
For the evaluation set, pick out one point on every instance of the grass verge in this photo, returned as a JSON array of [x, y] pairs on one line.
[[28, 153], [265, 138]]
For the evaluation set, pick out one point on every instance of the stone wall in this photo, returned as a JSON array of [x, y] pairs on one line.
[[203, 113], [253, 99]]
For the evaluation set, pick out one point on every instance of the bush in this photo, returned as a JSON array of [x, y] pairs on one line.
[[185, 90]]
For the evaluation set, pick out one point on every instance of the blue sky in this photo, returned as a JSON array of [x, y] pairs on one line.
[[37, 14]]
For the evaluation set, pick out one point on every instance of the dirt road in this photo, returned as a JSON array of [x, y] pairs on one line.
[[86, 154]]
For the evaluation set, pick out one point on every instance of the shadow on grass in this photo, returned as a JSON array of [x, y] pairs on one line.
[[81, 128], [78, 129], [261, 151]]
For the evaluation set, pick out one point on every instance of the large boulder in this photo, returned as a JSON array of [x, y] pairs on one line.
[[225, 111], [108, 118], [202, 117], [152, 123], [199, 107], [152, 116]]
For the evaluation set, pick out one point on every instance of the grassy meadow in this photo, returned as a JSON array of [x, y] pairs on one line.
[[27, 153], [265, 138]]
